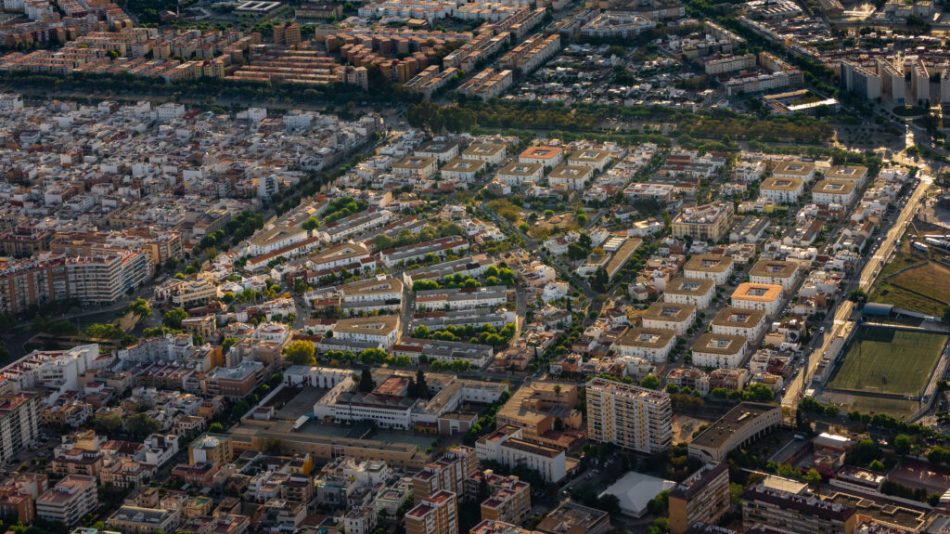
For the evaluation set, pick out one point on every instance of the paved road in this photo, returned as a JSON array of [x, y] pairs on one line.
[[841, 324]]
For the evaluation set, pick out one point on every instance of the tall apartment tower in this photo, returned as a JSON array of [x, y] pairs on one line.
[[701, 498], [448, 473], [437, 514], [19, 423], [629, 416]]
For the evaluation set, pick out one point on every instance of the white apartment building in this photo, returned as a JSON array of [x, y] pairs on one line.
[[490, 153], [346, 255], [764, 297], [57, 369], [719, 350], [715, 267], [19, 423], [668, 316], [783, 273], [736, 322], [382, 330], [629, 416], [69, 500], [693, 291], [518, 173], [461, 299], [782, 190], [650, 344], [570, 177], [800, 170], [834, 191], [508, 447]]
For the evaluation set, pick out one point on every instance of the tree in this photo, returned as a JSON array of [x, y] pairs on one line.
[[108, 424], [650, 381], [863, 452], [813, 478], [311, 224], [140, 307], [659, 505], [599, 280], [174, 317], [367, 383], [902, 443], [140, 425], [215, 427], [876, 465], [228, 342], [300, 352], [421, 388]]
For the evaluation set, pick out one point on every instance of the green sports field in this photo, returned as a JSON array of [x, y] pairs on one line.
[[886, 360]]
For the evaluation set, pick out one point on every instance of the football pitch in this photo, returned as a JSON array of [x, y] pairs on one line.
[[887, 360]]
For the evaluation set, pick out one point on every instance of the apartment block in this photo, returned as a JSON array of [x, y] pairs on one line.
[[669, 316], [719, 350], [448, 473], [509, 500], [654, 345], [709, 222], [715, 267], [629, 416], [19, 423], [702, 498], [436, 514], [795, 512], [69, 500]]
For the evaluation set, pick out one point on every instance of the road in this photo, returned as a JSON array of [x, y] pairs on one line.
[[841, 323]]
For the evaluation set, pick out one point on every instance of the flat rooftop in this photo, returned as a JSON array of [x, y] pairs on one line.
[[757, 292], [744, 414]]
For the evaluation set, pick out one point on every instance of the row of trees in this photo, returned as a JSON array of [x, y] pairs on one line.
[[486, 334]]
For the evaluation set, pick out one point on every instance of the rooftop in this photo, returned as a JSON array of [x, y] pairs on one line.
[[745, 413], [757, 292]]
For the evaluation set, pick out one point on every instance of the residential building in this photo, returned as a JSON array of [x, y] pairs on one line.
[[654, 345], [669, 316], [69, 500], [834, 191], [447, 473], [708, 222], [696, 292], [702, 498], [573, 518], [490, 153], [782, 190], [461, 298], [629, 416], [783, 273], [19, 423], [753, 296], [375, 332], [791, 169], [140, 520], [510, 446], [509, 497], [436, 514], [519, 173], [794, 512], [547, 156], [731, 321], [715, 267], [719, 350]]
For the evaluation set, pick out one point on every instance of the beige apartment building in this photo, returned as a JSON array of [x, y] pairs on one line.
[[629, 416]]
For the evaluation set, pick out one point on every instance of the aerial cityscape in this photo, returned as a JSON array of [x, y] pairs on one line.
[[474, 267]]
